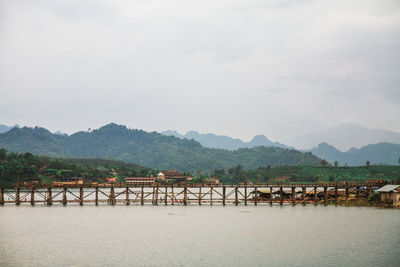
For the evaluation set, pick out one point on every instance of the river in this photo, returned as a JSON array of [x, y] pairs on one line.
[[198, 236]]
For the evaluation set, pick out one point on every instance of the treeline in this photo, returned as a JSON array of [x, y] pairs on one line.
[[20, 167], [298, 174]]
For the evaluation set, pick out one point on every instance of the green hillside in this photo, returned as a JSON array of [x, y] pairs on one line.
[[153, 150]]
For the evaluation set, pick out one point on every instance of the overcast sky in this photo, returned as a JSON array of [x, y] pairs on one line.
[[238, 68]]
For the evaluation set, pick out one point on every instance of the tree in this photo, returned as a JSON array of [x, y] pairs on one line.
[[324, 163], [336, 164], [367, 163]]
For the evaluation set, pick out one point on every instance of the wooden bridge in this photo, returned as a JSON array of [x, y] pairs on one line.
[[186, 194]]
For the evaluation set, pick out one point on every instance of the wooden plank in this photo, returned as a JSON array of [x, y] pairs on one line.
[[281, 196], [304, 192]]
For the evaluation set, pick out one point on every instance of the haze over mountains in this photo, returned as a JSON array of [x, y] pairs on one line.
[[152, 150], [376, 153], [345, 137], [224, 142]]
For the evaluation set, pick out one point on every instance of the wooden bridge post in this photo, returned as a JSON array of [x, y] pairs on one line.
[[347, 192], [223, 195], [166, 196], [127, 195], [156, 195], [270, 195], [199, 195], [255, 196], [172, 195], [236, 196], [96, 197], [17, 199], [185, 196], [211, 195], [81, 195], [32, 196], [142, 196], [64, 196], [315, 195], [293, 195], [111, 198], [49, 199], [245, 195], [325, 195], [2, 196], [304, 192], [336, 193], [281, 197]]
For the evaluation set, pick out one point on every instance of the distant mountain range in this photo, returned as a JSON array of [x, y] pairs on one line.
[[5, 128], [224, 142], [153, 150], [381, 153], [345, 137]]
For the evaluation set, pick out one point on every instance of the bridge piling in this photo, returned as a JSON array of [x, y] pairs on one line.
[[64, 197], [32, 196], [255, 195], [81, 195], [223, 195], [17, 197], [281, 197], [293, 195], [315, 195], [1, 196], [127, 195], [236, 196], [96, 195]]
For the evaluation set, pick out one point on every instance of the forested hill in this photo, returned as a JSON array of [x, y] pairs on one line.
[[153, 150]]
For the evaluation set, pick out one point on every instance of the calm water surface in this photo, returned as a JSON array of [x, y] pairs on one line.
[[202, 236]]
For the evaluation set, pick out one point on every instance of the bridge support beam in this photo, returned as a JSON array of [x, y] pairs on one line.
[[81, 195], [17, 197], [255, 195], [127, 196], [1, 196], [166, 196], [236, 196], [49, 200], [325, 195], [270, 195], [245, 195], [185, 196], [293, 195], [281, 197], [64, 196], [223, 195], [200, 196], [142, 196], [32, 196], [211, 195], [111, 198], [303, 198], [336, 194], [315, 195], [96, 196]]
